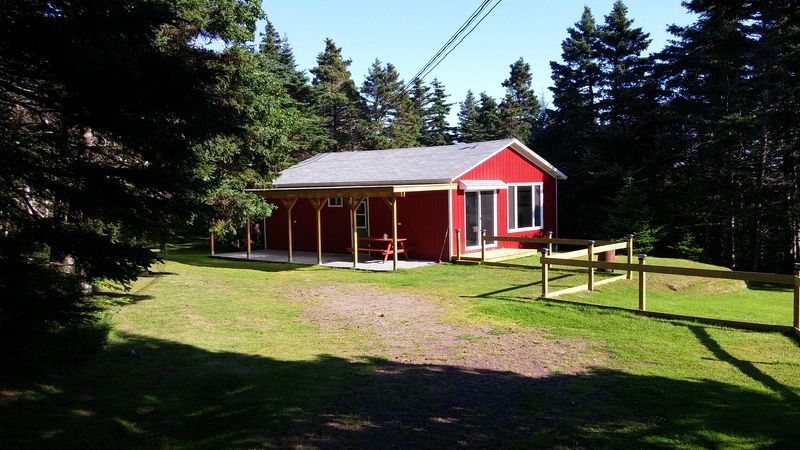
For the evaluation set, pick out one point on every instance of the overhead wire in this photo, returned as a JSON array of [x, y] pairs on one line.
[[452, 39]]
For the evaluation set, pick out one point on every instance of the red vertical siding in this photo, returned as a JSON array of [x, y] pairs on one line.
[[509, 167], [422, 218]]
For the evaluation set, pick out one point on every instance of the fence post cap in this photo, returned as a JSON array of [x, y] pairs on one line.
[[642, 256], [590, 242], [797, 266], [544, 251], [631, 235]]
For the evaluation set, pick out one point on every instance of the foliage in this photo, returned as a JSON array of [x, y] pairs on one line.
[[520, 108], [468, 119], [703, 127], [628, 212], [119, 135], [432, 109], [336, 99], [391, 119]]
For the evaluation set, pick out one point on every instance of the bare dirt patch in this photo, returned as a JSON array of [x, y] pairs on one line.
[[405, 328], [427, 382]]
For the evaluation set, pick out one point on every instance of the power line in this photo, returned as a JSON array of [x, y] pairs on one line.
[[447, 44], [462, 39]]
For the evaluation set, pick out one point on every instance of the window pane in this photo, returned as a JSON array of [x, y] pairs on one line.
[[361, 216], [538, 202], [524, 207], [472, 218], [487, 213], [512, 207]]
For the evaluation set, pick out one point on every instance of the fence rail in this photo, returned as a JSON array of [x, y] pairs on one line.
[[643, 269]]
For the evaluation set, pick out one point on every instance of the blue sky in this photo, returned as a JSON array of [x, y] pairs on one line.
[[407, 33]]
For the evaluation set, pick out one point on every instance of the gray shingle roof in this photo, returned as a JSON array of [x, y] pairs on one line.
[[400, 166]]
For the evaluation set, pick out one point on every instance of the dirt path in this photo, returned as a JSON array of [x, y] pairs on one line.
[[430, 382], [407, 329]]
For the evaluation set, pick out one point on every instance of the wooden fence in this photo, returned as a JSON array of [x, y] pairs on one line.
[[593, 248], [643, 269]]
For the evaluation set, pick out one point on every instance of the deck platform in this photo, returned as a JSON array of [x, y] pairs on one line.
[[339, 260], [500, 254]]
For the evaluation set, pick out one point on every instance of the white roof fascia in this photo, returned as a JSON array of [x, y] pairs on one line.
[[528, 154]]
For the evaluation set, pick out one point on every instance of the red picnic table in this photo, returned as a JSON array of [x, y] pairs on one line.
[[383, 245]]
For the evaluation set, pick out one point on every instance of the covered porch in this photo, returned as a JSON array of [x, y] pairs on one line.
[[361, 255]]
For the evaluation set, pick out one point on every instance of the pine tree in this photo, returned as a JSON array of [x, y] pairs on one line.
[[570, 137], [468, 119], [733, 74], [520, 108], [490, 124], [336, 99], [276, 56], [436, 128], [112, 137], [391, 119]]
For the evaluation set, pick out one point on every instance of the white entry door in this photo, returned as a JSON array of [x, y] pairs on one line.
[[480, 214]]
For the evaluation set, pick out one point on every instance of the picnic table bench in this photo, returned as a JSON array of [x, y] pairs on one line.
[[382, 246]]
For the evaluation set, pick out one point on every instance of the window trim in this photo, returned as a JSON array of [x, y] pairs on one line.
[[514, 228], [331, 205], [480, 213], [365, 202]]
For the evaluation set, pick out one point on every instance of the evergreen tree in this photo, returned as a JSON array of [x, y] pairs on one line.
[[468, 119], [570, 137], [625, 70], [114, 136], [390, 116], [276, 56], [435, 127], [490, 124], [336, 99], [420, 97], [734, 82], [519, 108]]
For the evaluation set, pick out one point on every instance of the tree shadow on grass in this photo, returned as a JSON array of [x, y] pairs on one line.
[[768, 287], [197, 258], [145, 393]]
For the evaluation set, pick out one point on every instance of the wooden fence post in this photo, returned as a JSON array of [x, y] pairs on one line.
[[629, 275], [247, 237], [642, 283], [458, 244], [796, 321], [545, 272], [483, 246], [212, 244], [590, 251], [550, 244]]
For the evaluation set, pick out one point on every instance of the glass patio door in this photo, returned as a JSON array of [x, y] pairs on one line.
[[480, 215]]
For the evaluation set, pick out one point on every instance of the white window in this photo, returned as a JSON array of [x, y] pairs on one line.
[[362, 218], [525, 207], [335, 202], [480, 211]]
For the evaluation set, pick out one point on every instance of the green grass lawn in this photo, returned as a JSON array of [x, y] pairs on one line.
[[211, 353], [691, 296]]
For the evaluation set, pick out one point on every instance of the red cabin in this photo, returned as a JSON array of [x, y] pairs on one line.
[[500, 186]]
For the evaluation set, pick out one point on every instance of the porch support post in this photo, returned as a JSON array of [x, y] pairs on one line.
[[590, 257], [247, 238], [318, 203], [394, 233], [289, 203], [354, 203]]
